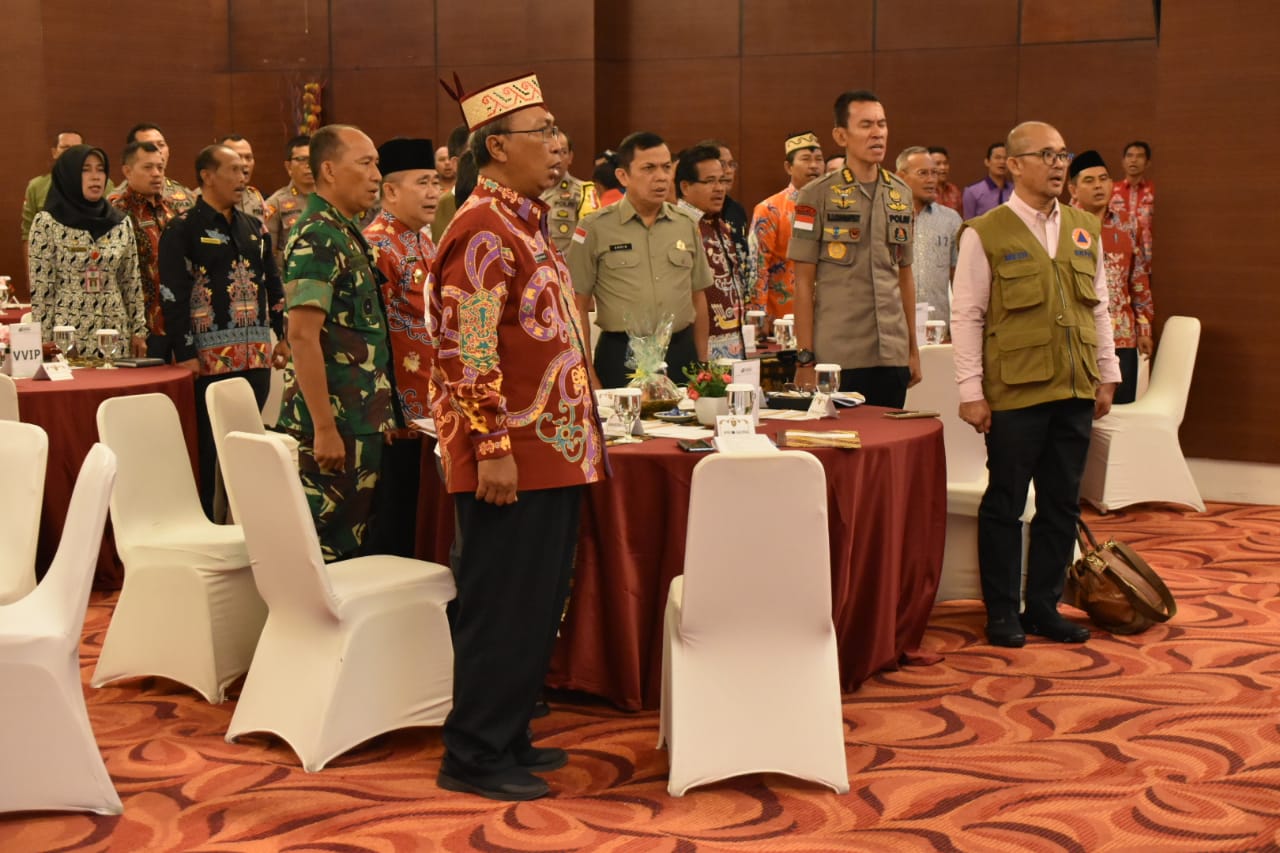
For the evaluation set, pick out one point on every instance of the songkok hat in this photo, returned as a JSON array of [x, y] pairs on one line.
[[1085, 160], [801, 141], [492, 102], [402, 154]]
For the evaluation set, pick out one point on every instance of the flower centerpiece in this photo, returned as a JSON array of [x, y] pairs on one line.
[[708, 388]]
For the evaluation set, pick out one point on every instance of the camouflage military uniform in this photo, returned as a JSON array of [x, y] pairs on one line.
[[328, 266]]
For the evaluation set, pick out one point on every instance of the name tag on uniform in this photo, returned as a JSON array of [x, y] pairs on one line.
[[620, 247], [540, 257], [213, 237], [833, 216], [1017, 256]]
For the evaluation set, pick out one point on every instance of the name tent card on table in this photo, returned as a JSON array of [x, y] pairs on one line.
[[25, 353], [822, 406], [735, 425], [749, 337], [56, 371]]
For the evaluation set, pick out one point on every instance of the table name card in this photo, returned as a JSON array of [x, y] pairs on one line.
[[822, 406], [735, 425], [56, 371], [25, 352], [749, 337]]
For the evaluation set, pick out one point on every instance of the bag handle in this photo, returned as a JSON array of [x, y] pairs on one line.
[[1089, 544]]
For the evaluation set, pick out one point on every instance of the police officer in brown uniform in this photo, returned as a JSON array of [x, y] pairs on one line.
[[570, 199], [851, 241]]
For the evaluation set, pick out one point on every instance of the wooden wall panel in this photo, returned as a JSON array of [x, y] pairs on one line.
[[1086, 105], [1209, 262], [930, 96], [946, 24], [386, 102], [389, 33], [511, 32], [25, 147], [770, 28], [639, 29], [262, 112], [1090, 20], [799, 100], [276, 34]]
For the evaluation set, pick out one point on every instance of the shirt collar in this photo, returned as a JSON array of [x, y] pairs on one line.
[[628, 211], [530, 210], [1023, 209], [317, 203], [691, 210]]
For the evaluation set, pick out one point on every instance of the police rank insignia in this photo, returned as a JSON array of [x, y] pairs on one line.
[[843, 197]]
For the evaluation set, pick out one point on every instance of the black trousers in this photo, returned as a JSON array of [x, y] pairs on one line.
[[611, 356], [260, 381], [159, 346], [1127, 391], [1045, 444], [882, 386], [512, 575], [395, 516]]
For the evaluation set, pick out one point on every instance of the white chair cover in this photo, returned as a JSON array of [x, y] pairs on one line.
[[1135, 455], [351, 649], [750, 679], [8, 399], [271, 408], [50, 758], [233, 408], [966, 474], [189, 610], [24, 451]]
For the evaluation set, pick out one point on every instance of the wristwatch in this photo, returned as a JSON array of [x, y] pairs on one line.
[[805, 357]]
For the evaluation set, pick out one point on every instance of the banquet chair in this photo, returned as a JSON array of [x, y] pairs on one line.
[[966, 475], [51, 759], [233, 408], [8, 399], [188, 610], [24, 451], [750, 679], [1134, 455], [351, 649], [271, 408]]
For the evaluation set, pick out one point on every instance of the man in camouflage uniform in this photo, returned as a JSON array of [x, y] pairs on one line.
[[283, 207], [338, 392], [569, 199]]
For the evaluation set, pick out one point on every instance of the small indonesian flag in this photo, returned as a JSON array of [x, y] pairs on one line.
[[579, 235], [804, 217]]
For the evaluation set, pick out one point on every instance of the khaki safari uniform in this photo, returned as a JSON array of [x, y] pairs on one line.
[[858, 240]]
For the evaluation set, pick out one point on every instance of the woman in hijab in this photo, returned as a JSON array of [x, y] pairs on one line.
[[84, 261]]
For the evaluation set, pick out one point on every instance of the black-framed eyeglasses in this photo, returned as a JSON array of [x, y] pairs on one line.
[[547, 133], [729, 164], [711, 182], [299, 160], [1048, 155]]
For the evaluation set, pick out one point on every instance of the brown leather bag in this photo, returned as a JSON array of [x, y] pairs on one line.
[[1116, 587]]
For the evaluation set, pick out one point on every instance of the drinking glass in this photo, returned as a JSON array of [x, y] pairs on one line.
[[757, 319], [742, 398], [784, 332], [64, 338], [935, 331], [626, 402], [109, 344], [4, 291], [827, 377]]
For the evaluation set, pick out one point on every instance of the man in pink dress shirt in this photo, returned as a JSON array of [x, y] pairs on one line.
[[1036, 364]]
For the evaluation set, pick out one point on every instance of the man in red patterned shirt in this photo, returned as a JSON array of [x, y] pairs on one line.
[[142, 199], [1130, 304], [1136, 194], [519, 439]]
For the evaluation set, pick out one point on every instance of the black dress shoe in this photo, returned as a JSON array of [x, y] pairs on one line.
[[1054, 627], [1005, 631], [515, 783], [540, 709], [540, 759]]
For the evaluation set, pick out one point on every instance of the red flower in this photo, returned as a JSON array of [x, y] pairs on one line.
[[693, 394], [726, 377], [704, 376]]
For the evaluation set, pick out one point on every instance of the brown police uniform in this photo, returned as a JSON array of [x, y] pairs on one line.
[[569, 200]]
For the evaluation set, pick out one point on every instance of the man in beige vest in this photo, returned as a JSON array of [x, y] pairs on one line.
[[1036, 364]]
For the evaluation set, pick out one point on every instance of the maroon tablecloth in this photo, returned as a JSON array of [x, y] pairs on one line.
[[68, 412], [9, 316], [887, 521]]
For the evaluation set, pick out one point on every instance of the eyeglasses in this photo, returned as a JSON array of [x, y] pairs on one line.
[[711, 182], [299, 160], [729, 164], [547, 133], [1049, 156]]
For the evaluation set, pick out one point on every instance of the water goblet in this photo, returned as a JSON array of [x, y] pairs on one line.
[[827, 377], [109, 344], [784, 332], [935, 331], [742, 398], [626, 403], [64, 338]]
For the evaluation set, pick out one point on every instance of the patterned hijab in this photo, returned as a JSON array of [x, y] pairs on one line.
[[66, 202]]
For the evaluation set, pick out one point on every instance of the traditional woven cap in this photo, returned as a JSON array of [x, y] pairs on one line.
[[495, 100], [801, 141], [1085, 160], [401, 155]]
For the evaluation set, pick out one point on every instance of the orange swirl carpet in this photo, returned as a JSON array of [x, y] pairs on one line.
[[1166, 741]]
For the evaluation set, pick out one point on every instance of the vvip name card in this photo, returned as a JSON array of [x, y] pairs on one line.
[[25, 352]]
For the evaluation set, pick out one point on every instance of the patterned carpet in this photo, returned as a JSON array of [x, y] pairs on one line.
[[1166, 741]]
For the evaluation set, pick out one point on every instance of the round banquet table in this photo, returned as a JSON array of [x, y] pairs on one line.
[[887, 518], [8, 316], [68, 412]]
